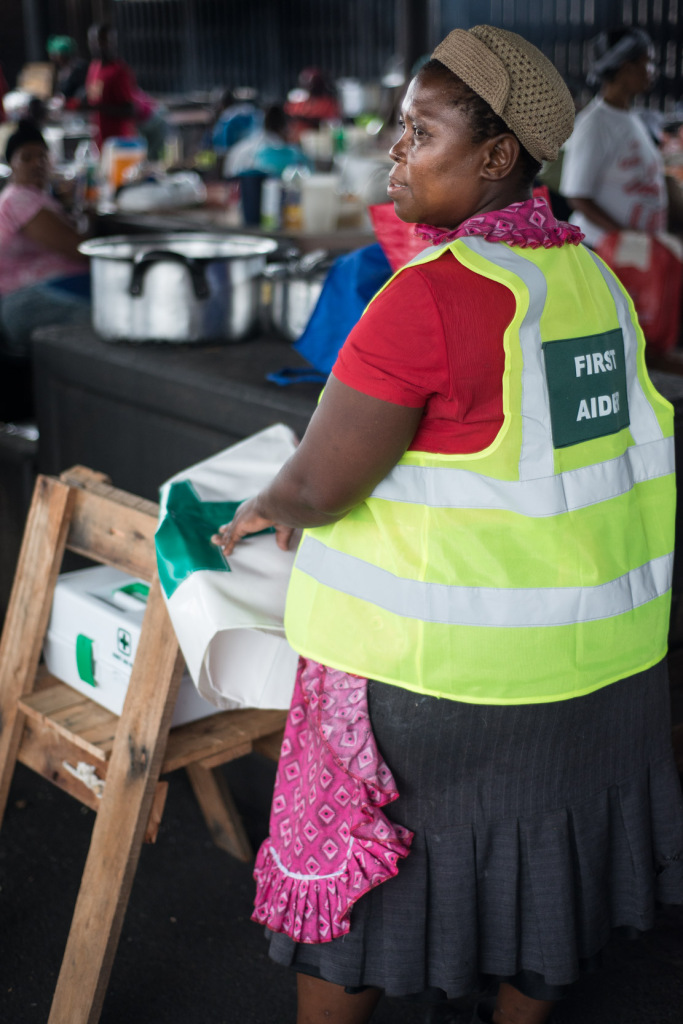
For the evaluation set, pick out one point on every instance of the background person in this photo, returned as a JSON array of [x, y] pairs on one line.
[[43, 278], [312, 102], [613, 172], [70, 69], [482, 691], [267, 150], [110, 87], [236, 118], [122, 109]]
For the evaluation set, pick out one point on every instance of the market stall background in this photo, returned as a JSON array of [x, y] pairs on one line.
[[188, 951], [185, 45]]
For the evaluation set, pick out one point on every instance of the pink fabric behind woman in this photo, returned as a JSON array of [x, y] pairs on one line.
[[329, 840]]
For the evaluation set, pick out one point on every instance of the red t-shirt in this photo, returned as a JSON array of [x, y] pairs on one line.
[[111, 84], [434, 339]]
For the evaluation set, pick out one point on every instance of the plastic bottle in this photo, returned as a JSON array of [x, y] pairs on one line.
[[271, 204], [87, 160], [338, 138], [292, 215]]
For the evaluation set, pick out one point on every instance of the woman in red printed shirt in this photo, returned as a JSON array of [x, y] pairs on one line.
[[110, 87]]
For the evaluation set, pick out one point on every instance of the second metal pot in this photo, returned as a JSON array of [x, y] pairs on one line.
[[293, 290]]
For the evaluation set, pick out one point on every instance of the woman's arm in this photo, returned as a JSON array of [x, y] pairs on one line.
[[50, 231], [589, 208], [352, 442]]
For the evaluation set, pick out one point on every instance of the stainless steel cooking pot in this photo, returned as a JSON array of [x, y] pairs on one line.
[[293, 289], [176, 287]]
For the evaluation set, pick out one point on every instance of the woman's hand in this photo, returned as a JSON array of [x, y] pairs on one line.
[[247, 520], [352, 442]]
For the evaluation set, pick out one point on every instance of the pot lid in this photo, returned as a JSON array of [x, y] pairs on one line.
[[192, 245]]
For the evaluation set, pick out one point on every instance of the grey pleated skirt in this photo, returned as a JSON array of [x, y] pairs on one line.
[[538, 830]]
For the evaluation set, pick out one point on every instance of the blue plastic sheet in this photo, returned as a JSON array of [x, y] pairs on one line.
[[352, 281]]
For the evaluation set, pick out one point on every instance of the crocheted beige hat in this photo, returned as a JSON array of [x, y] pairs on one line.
[[518, 83]]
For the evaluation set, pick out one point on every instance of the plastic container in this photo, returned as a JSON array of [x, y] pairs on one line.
[[92, 639], [120, 159], [251, 184], [320, 203]]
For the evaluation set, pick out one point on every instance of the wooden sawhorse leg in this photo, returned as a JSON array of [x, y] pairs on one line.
[[220, 814], [119, 828], [27, 617]]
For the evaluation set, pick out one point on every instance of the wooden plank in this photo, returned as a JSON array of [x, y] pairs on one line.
[[44, 751], [83, 476], [81, 718], [157, 812], [52, 698], [27, 616], [114, 534], [218, 735], [54, 724], [270, 746], [121, 820], [223, 756], [70, 710], [102, 735], [219, 810], [99, 483]]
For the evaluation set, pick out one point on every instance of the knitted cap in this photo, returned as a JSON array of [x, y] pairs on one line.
[[517, 81]]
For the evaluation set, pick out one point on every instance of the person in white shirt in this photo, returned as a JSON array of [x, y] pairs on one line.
[[613, 173]]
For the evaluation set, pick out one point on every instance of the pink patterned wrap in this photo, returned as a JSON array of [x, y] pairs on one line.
[[329, 840], [528, 224]]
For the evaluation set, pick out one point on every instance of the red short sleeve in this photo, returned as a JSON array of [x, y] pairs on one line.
[[434, 339]]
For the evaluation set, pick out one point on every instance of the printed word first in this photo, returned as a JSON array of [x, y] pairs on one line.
[[596, 362]]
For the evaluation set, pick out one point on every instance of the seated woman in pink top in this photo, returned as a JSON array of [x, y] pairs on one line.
[[43, 278]]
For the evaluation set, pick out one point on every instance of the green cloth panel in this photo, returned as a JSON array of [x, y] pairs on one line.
[[183, 539]]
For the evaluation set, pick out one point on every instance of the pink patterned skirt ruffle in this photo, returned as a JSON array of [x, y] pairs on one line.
[[329, 840]]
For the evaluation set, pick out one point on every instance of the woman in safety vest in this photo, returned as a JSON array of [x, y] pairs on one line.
[[476, 783]]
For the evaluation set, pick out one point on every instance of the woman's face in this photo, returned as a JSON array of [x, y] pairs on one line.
[[639, 75], [438, 174], [31, 165]]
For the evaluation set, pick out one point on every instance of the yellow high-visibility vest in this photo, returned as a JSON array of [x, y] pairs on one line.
[[535, 570]]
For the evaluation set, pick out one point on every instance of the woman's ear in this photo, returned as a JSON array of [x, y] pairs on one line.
[[501, 155]]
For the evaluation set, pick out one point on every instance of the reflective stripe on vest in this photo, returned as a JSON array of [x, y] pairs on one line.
[[439, 487], [531, 571], [483, 606]]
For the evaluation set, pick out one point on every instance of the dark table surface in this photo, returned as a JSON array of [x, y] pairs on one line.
[[217, 220], [142, 412]]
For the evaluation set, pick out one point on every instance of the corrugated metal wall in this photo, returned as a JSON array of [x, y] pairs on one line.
[[180, 45], [176, 45], [563, 29]]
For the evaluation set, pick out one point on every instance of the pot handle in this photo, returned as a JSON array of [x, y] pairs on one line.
[[143, 260]]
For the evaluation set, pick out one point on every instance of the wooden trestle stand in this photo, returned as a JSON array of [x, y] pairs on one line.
[[110, 763]]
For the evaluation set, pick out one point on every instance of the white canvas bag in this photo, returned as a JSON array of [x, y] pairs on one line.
[[228, 613]]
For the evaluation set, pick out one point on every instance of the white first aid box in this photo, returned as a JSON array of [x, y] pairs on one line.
[[93, 635]]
